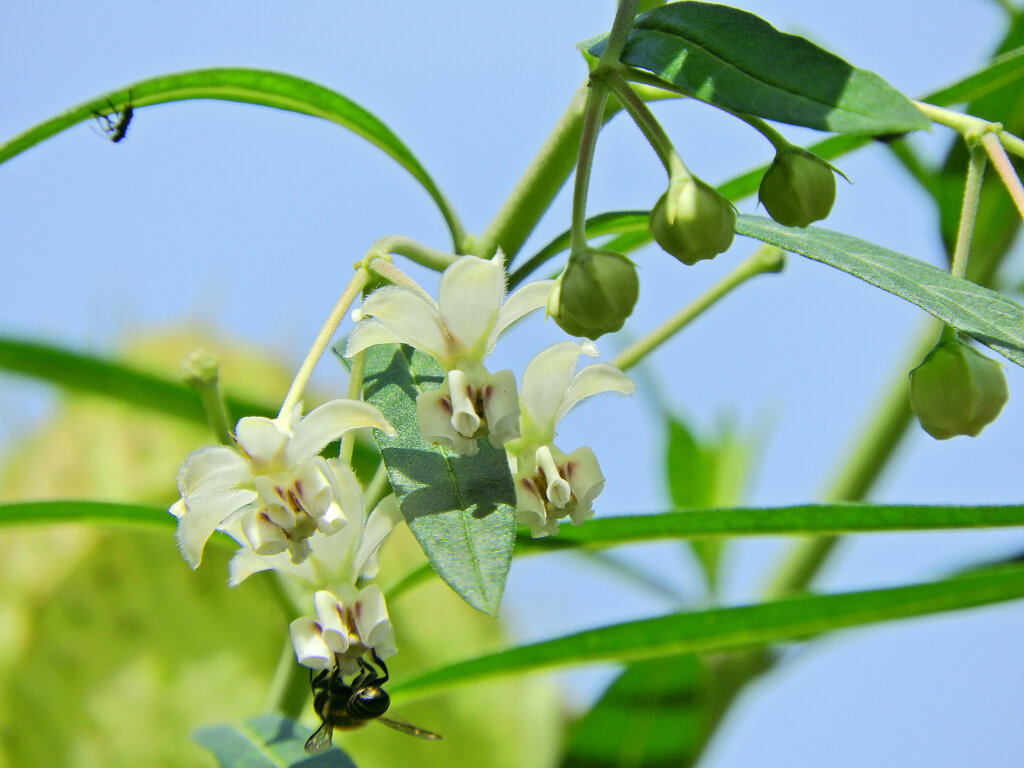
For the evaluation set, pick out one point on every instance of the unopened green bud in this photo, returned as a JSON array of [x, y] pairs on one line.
[[692, 221], [798, 188], [595, 294], [956, 390]]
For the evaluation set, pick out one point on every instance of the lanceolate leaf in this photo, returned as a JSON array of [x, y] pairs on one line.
[[253, 86], [989, 317], [736, 60], [729, 628], [460, 508], [820, 519], [269, 741]]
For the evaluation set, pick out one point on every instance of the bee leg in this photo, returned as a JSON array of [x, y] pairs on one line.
[[383, 667]]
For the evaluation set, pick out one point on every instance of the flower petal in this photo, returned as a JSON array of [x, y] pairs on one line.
[[385, 516], [263, 441], [530, 510], [501, 407], [373, 623], [434, 413], [310, 649], [528, 298], [212, 468], [411, 316], [546, 381], [592, 380], [469, 297], [328, 422], [584, 475], [204, 513]]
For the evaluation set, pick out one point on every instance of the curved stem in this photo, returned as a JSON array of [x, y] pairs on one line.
[[969, 211], [322, 340], [764, 259], [777, 139], [415, 251], [596, 98], [648, 123], [1003, 166]]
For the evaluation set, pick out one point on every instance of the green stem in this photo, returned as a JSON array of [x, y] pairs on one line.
[[969, 211], [1005, 169], [764, 259], [858, 475], [323, 338], [414, 251], [289, 688], [201, 371], [777, 139], [648, 124], [355, 390], [594, 109]]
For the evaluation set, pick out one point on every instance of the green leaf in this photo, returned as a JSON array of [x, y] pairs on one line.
[[722, 629], [989, 317], [269, 741], [252, 86], [85, 373], [820, 519], [738, 61], [460, 508], [650, 717]]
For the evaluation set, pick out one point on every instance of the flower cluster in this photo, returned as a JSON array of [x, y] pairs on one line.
[[300, 514], [304, 516], [460, 329]]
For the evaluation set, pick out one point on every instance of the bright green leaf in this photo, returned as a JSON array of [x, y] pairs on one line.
[[651, 716], [991, 318], [252, 86], [269, 741], [460, 508], [738, 61], [818, 519], [722, 629]]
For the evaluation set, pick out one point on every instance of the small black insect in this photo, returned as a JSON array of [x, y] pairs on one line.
[[115, 123], [352, 705]]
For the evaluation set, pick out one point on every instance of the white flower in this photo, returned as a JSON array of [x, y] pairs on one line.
[[276, 491], [347, 624], [460, 329], [550, 484]]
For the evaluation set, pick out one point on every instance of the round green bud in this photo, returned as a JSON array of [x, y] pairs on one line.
[[956, 390], [798, 188], [692, 221], [595, 294]]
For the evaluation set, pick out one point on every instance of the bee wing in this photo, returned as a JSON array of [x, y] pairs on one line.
[[320, 741], [412, 730]]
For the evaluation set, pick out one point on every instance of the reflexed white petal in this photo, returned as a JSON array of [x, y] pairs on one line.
[[584, 475], [469, 296], [368, 333], [530, 509], [263, 536], [592, 380], [312, 487], [547, 379], [211, 468], [204, 512], [372, 621], [385, 516], [463, 400], [328, 422], [263, 440], [310, 649], [501, 407], [412, 318], [330, 614], [347, 492], [528, 298]]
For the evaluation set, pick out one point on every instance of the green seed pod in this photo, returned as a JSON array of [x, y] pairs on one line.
[[798, 188], [692, 221], [595, 294], [956, 390]]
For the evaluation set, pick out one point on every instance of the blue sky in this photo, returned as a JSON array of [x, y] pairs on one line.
[[248, 219]]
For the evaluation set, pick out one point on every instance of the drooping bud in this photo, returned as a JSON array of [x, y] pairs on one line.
[[595, 294], [956, 390], [798, 188], [692, 221]]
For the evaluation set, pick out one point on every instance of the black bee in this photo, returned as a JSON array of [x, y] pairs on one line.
[[351, 705], [115, 123]]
